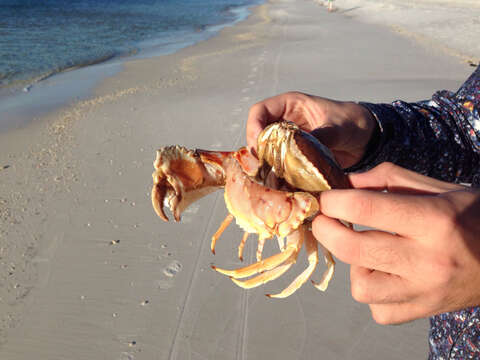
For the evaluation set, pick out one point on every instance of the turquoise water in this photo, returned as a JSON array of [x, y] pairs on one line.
[[39, 38]]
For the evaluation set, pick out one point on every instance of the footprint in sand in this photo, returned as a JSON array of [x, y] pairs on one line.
[[173, 269], [126, 356], [170, 272]]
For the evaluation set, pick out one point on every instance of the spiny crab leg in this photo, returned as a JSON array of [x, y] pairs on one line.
[[311, 248]]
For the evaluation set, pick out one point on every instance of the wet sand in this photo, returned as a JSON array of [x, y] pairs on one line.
[[88, 271]]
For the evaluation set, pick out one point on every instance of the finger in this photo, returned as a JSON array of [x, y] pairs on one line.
[[377, 287], [369, 249], [261, 115], [398, 213], [398, 313], [393, 178]]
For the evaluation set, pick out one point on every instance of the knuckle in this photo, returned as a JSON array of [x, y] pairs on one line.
[[359, 286], [256, 108], [334, 237], [292, 93], [364, 207], [386, 170], [319, 226], [360, 292], [330, 238], [387, 167], [381, 316], [377, 256]]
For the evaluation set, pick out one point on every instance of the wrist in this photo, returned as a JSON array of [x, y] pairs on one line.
[[375, 134], [373, 126]]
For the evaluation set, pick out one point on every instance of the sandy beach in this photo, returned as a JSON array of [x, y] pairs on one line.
[[88, 271], [448, 26]]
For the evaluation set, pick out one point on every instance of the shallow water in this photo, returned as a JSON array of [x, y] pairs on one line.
[[41, 38]]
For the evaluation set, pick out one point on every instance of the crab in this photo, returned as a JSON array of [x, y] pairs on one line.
[[272, 195]]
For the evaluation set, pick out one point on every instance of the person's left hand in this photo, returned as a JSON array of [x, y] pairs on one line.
[[426, 260]]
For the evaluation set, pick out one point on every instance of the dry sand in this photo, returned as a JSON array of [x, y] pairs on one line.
[[87, 269], [451, 26]]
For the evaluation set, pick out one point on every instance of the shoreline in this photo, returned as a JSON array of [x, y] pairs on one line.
[[89, 271], [35, 100], [28, 100]]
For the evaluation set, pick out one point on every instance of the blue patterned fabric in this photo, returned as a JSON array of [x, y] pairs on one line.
[[440, 138]]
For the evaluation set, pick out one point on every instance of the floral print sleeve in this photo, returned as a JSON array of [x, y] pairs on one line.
[[439, 138]]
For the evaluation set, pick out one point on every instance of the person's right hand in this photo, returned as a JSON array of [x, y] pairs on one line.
[[421, 255], [344, 127]]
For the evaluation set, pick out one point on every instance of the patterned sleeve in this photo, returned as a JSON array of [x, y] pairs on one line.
[[438, 137]]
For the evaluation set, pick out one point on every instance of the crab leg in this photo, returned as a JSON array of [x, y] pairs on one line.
[[311, 247], [263, 265], [327, 275], [267, 275], [261, 243], [330, 262], [295, 239], [242, 245], [220, 231]]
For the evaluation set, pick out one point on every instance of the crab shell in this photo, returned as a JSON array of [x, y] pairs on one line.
[[300, 158]]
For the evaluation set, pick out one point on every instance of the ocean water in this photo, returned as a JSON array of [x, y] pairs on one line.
[[39, 38]]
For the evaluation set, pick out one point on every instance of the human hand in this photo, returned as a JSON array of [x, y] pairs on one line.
[[344, 127], [426, 260]]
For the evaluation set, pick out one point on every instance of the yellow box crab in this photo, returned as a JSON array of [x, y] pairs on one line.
[[272, 195]]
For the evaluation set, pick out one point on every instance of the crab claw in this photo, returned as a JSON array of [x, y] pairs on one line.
[[158, 195], [183, 176]]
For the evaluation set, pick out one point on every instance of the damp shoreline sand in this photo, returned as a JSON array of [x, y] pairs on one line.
[[87, 269]]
